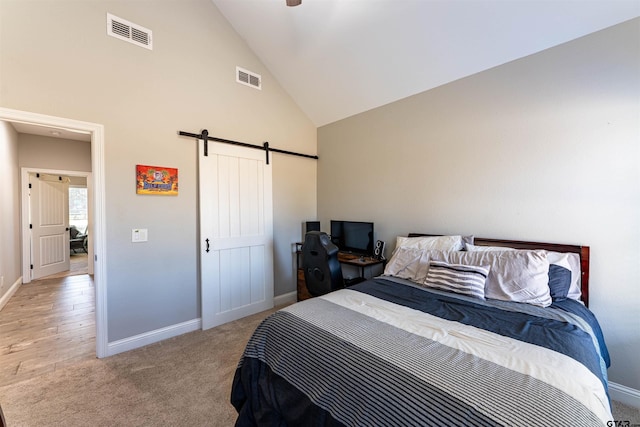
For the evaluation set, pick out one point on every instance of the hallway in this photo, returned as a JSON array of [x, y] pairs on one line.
[[48, 324]]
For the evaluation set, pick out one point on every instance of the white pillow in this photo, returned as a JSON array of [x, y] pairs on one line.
[[408, 263], [441, 243], [568, 260], [474, 248], [521, 276]]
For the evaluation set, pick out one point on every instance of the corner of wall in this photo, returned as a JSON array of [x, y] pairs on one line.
[[6, 296]]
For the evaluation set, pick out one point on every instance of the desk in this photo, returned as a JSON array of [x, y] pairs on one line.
[[347, 259], [358, 261]]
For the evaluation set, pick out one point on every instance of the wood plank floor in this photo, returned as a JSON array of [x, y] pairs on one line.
[[46, 325]]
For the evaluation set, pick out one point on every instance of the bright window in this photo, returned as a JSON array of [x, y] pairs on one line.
[[78, 214]]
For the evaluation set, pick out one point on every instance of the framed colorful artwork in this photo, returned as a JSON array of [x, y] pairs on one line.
[[156, 180]]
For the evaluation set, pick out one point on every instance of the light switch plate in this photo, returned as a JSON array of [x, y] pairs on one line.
[[139, 235]]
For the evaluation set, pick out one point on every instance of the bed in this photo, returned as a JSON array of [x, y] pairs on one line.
[[404, 349]]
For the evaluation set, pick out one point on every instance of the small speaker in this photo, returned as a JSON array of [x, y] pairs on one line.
[[308, 226], [378, 250]]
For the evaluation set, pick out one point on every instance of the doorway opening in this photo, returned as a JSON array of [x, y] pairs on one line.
[[78, 227], [56, 229], [96, 185], [78, 209]]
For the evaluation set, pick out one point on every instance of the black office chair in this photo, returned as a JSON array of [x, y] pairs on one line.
[[322, 272], [77, 240]]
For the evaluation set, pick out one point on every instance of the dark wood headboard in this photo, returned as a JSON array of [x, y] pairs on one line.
[[582, 251]]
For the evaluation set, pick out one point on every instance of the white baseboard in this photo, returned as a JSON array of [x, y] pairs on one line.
[[151, 337], [283, 299], [4, 299], [623, 394]]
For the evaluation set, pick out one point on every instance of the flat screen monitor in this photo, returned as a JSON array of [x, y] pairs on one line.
[[353, 236]]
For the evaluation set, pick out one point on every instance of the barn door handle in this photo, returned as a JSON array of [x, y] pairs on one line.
[[207, 250]]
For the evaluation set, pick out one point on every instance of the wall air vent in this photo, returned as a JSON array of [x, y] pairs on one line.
[[128, 31], [248, 78]]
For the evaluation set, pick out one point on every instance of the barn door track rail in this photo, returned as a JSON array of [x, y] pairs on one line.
[[204, 135]]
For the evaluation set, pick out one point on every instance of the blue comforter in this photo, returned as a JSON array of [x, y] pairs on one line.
[[385, 352]]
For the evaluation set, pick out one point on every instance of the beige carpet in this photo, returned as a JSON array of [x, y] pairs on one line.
[[183, 381]]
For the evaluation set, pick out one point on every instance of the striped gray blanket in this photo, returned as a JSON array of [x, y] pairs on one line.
[[355, 359]]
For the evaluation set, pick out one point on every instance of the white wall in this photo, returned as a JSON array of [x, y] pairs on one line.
[[56, 59], [35, 151], [9, 210], [545, 148]]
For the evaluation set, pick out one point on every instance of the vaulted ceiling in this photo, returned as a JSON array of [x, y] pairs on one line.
[[337, 58]]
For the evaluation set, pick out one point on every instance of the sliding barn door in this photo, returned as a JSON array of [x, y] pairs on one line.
[[49, 222], [236, 233]]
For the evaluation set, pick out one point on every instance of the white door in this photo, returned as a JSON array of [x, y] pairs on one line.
[[49, 220], [236, 233]]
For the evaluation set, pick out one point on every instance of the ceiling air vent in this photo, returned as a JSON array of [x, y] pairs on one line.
[[128, 31], [248, 78]]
